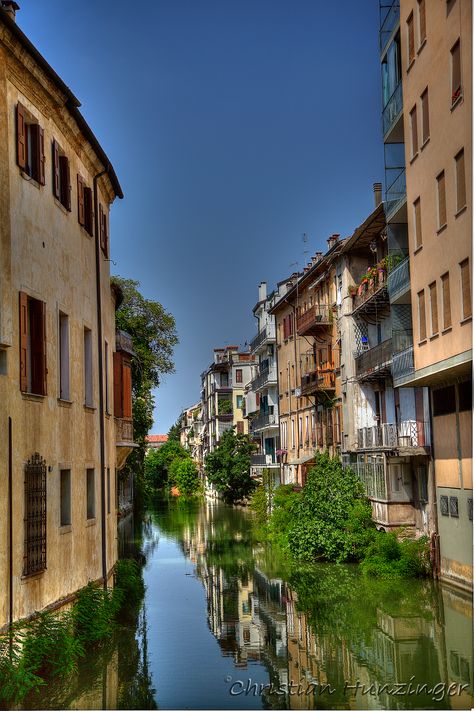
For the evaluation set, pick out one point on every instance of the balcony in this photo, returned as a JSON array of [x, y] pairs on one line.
[[399, 282], [392, 117], [375, 363], [262, 460], [266, 377], [408, 434], [403, 364], [371, 298], [389, 21], [396, 196], [262, 421], [314, 319], [266, 335], [318, 380], [124, 443]]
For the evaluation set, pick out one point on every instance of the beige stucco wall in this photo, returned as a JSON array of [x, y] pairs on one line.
[[48, 255], [450, 130]]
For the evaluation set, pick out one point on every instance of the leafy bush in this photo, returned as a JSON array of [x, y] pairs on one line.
[[228, 467], [184, 474], [93, 613], [158, 463], [259, 505], [285, 500], [388, 557]]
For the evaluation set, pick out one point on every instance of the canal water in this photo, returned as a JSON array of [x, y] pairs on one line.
[[228, 624]]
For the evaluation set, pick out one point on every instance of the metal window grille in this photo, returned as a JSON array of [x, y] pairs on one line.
[[453, 506], [469, 509], [35, 515], [443, 505]]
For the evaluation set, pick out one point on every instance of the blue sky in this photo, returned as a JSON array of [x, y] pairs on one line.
[[234, 126]]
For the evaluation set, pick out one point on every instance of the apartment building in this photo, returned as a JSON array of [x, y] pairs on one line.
[[191, 428], [65, 375], [222, 395], [261, 394], [426, 57], [308, 364], [386, 433]]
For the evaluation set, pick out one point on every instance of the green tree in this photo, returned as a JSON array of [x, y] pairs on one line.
[[184, 474], [153, 333], [228, 467], [174, 432], [158, 463]]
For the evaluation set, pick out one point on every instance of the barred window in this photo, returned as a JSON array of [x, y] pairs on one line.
[[443, 505], [454, 506], [34, 560]]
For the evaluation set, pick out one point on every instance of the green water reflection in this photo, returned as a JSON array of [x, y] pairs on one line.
[[318, 636]]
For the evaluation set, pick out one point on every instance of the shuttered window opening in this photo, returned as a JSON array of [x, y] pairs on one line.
[[34, 557], [446, 296], [65, 517], [410, 39], [85, 209], [417, 219], [32, 345], [103, 231], [440, 182], [465, 289], [456, 87], [30, 145], [422, 21], [122, 385], [460, 181], [61, 176], [421, 315], [434, 308], [90, 493], [64, 393], [414, 131], [425, 116], [88, 372], [240, 427]]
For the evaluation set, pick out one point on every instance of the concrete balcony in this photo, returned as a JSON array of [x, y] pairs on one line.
[[266, 377], [265, 336], [399, 283], [318, 380], [263, 421], [124, 443], [375, 363], [407, 435], [382, 436], [314, 319]]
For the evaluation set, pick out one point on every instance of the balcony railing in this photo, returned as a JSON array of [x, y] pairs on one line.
[[403, 363], [265, 335], [374, 289], [408, 433], [264, 420], [392, 110], [123, 430], [396, 193], [314, 318], [318, 380], [375, 362], [262, 459], [266, 376], [399, 279]]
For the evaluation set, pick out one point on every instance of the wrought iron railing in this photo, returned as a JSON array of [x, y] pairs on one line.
[[377, 436], [369, 289], [403, 363], [262, 459], [264, 420], [399, 279], [266, 334], [374, 358], [413, 433], [318, 380], [317, 315], [392, 110]]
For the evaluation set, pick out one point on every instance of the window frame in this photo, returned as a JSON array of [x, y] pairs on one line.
[[441, 181], [457, 162], [33, 345], [30, 155], [61, 178], [465, 288], [65, 497]]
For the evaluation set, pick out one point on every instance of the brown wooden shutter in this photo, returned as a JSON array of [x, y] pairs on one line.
[[41, 157], [434, 308], [441, 200], [425, 116], [422, 18], [466, 289], [118, 404], [127, 388], [23, 341], [106, 235], [80, 200], [420, 416], [88, 211], [44, 367], [65, 182], [411, 39], [101, 227], [421, 315], [446, 301], [56, 180], [460, 181], [20, 136]]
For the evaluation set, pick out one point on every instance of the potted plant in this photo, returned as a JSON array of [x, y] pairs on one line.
[[352, 290]]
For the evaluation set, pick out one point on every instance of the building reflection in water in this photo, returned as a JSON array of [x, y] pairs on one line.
[[327, 629]]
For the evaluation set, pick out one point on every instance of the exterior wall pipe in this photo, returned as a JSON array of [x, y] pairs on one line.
[[103, 511], [10, 525]]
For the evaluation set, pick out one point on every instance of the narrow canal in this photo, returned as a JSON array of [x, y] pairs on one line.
[[228, 624]]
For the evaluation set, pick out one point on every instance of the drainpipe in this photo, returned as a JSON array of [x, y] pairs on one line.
[[103, 511], [10, 525], [432, 489]]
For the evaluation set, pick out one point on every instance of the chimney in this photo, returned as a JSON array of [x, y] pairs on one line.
[[377, 194], [10, 7], [262, 291], [332, 241]]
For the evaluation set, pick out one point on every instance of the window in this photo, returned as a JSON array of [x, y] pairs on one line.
[[421, 21], [61, 177], [34, 559], [300, 431], [284, 440], [414, 132], [456, 88], [446, 301], [465, 289], [440, 182], [454, 506], [425, 117], [88, 375], [106, 377], [108, 489], [465, 396], [292, 433], [421, 315], [238, 375], [434, 308], [122, 385], [30, 145], [443, 505], [410, 39], [287, 326], [239, 401], [63, 357], [240, 427], [444, 401], [103, 231], [417, 223], [85, 213], [32, 345], [65, 497], [90, 493], [460, 181]]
